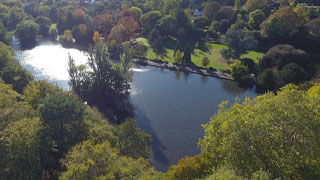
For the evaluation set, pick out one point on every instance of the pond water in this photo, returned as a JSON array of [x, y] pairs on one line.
[[169, 105]]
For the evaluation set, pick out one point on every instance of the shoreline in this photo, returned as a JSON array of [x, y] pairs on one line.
[[195, 70]]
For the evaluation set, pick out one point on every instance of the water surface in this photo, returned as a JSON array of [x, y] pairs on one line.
[[170, 105]]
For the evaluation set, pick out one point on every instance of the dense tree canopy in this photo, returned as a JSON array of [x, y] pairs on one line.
[[275, 133]]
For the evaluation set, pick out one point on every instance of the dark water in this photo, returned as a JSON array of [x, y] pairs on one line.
[[169, 105]]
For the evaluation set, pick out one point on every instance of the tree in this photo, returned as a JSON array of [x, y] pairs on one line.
[[205, 61], [103, 84], [252, 5], [12, 107], [292, 73], [169, 6], [256, 18], [211, 9], [66, 38], [27, 32], [118, 34], [178, 56], [239, 70], [252, 66], [280, 55], [282, 25], [132, 142], [240, 41], [268, 79], [135, 12], [44, 25], [130, 24], [103, 24], [3, 33], [20, 150], [82, 34], [312, 35], [226, 13], [155, 40], [167, 26], [16, 16], [149, 20], [53, 31], [36, 92], [11, 72], [195, 167], [96, 37], [265, 134], [62, 115]]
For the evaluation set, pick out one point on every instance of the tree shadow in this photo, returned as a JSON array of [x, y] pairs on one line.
[[203, 47], [157, 147]]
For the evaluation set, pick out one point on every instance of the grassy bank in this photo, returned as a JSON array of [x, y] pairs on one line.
[[211, 50]]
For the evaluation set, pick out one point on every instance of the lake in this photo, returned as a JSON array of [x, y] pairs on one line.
[[169, 105]]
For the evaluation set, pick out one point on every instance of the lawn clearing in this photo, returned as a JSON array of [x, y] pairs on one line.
[[210, 50]]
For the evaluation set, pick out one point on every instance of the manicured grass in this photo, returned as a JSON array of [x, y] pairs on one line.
[[210, 50], [253, 55]]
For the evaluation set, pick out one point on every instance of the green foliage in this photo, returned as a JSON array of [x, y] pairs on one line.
[[53, 31], [240, 41], [239, 70], [189, 168], [132, 142], [86, 161], [268, 79], [169, 6], [178, 57], [44, 25], [266, 134], [224, 173], [82, 34], [226, 13], [20, 150], [103, 84], [35, 92], [256, 18], [252, 5], [12, 106], [149, 20], [211, 9], [282, 25], [168, 25], [11, 72], [3, 33], [62, 115], [280, 55], [27, 32], [292, 73]]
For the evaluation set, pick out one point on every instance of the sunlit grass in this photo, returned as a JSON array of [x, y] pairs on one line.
[[210, 50]]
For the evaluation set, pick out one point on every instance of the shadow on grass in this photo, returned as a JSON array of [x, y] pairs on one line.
[[204, 47]]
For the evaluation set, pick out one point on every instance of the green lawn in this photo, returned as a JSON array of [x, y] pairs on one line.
[[212, 51]]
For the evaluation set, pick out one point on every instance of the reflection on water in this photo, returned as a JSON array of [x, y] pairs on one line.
[[49, 60], [170, 105]]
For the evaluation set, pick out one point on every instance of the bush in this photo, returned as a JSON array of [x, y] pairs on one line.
[[205, 61]]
